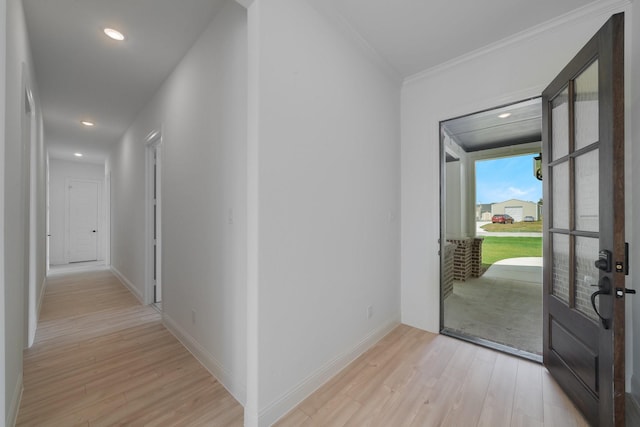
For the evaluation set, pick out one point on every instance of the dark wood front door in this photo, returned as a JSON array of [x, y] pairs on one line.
[[584, 248]]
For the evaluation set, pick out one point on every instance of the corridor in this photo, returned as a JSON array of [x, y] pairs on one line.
[[102, 359]]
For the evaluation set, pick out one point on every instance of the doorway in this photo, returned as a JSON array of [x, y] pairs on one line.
[[491, 250], [30, 225], [154, 219]]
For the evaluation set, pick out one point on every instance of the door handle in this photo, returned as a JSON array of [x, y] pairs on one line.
[[605, 289]]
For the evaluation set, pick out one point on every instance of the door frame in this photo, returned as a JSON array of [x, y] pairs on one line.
[[153, 143], [29, 150], [514, 150], [106, 255]]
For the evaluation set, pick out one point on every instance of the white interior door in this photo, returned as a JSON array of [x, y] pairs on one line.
[[83, 220]]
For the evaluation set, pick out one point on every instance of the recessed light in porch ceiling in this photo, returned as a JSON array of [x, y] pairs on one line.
[[504, 115], [114, 34], [87, 123], [77, 154]]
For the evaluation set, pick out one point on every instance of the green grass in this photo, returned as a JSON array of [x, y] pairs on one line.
[[535, 226], [498, 248]]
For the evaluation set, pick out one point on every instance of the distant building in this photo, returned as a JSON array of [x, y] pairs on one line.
[[483, 212], [517, 209]]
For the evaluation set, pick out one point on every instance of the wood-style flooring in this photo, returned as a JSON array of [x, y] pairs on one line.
[[414, 378], [102, 359]]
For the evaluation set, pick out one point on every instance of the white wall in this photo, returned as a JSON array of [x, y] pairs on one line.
[[59, 171], [19, 76], [38, 220], [326, 139], [507, 72], [3, 324], [459, 185], [201, 110], [453, 199]]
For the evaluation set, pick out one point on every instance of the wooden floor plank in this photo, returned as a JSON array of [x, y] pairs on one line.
[[102, 359], [414, 378], [498, 405]]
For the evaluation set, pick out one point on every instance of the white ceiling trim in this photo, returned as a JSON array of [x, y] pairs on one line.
[[334, 17], [245, 3], [592, 10]]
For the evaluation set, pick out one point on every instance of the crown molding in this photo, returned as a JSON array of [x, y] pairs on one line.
[[592, 10], [327, 10], [245, 3]]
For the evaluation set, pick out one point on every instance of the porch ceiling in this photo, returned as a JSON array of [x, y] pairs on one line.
[[486, 129]]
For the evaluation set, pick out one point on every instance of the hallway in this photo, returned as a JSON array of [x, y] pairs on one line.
[[101, 359]]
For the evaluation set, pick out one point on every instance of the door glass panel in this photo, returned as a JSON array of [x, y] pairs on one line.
[[560, 204], [586, 274], [560, 125], [586, 107], [560, 280], [587, 195]]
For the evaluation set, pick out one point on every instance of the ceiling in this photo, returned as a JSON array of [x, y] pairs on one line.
[[415, 35], [83, 75], [486, 129]]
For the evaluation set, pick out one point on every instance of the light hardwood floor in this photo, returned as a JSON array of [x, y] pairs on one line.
[[414, 378], [102, 359]]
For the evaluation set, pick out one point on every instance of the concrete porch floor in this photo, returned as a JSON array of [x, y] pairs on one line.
[[504, 305]]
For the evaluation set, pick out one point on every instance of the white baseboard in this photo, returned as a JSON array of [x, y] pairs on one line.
[[280, 407], [14, 406], [41, 296], [226, 378], [127, 283]]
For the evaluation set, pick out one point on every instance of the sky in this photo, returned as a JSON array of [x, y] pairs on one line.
[[507, 178]]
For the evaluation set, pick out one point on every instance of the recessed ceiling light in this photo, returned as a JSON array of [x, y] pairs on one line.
[[88, 123], [114, 34], [77, 154], [504, 115]]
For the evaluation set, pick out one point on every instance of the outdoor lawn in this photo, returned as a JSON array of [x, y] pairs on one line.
[[498, 248], [529, 227]]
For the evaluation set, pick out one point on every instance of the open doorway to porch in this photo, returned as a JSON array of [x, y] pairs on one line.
[[491, 244]]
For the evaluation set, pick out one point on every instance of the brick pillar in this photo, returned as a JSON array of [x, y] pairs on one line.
[[447, 274], [476, 257], [462, 259]]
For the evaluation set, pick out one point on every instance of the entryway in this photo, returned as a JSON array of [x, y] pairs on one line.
[[585, 254], [491, 190]]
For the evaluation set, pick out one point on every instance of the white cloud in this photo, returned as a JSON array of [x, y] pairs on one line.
[[498, 195], [518, 192]]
